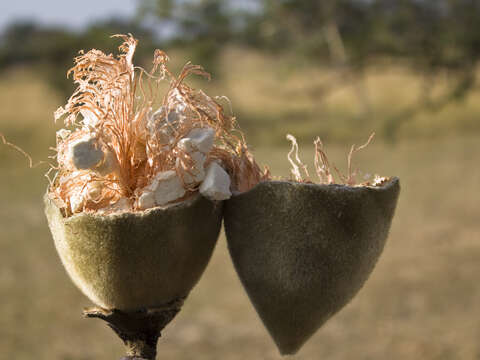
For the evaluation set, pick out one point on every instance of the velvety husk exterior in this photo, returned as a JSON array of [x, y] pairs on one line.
[[133, 260], [302, 251]]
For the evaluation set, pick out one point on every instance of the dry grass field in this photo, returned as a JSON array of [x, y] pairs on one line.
[[421, 302]]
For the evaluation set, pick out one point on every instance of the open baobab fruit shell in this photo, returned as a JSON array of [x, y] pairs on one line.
[[302, 251], [134, 260]]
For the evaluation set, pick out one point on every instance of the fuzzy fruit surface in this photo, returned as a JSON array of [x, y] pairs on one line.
[[134, 260], [302, 251]]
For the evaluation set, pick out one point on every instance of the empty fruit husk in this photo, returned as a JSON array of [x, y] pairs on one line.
[[303, 250]]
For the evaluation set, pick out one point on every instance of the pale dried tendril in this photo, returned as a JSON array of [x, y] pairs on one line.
[[297, 163], [323, 165]]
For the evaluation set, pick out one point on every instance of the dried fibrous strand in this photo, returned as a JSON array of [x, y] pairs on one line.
[[323, 167], [351, 180], [27, 156], [111, 118], [18, 149], [297, 163]]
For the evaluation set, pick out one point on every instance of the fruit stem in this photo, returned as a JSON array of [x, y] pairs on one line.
[[139, 330]]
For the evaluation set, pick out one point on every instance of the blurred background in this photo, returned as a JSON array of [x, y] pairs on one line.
[[406, 69]]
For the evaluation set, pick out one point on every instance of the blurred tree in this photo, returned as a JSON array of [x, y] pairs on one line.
[[50, 50], [203, 27], [430, 36]]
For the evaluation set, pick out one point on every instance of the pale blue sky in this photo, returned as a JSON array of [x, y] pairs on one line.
[[66, 12]]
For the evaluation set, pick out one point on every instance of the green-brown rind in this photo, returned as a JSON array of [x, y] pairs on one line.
[[302, 251], [134, 260]]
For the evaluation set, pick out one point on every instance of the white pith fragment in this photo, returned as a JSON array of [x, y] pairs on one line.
[[169, 187], [196, 173], [63, 134], [216, 185], [164, 127], [122, 205], [379, 180], [159, 127], [77, 202], [89, 118], [164, 188], [146, 200], [94, 190], [179, 100], [199, 139], [85, 153]]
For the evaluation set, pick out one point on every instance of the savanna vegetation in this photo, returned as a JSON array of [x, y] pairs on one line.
[[322, 53]]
